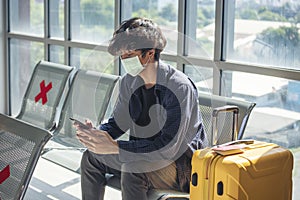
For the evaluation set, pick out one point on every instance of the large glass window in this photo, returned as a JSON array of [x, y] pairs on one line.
[[276, 116], [200, 28], [264, 32], [278, 96], [26, 16], [202, 77], [92, 20], [56, 18], [24, 55], [57, 54], [92, 60], [163, 12]]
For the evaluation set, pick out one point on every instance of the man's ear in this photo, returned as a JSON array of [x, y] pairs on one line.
[[151, 52]]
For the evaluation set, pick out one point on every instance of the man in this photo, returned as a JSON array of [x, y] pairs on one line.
[[158, 105]]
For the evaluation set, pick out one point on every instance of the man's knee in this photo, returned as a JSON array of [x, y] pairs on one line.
[[84, 160], [129, 178], [133, 185], [89, 162]]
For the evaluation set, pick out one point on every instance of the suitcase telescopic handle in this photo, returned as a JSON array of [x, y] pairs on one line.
[[243, 141], [227, 108]]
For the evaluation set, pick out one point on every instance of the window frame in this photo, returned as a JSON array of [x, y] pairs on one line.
[[218, 63]]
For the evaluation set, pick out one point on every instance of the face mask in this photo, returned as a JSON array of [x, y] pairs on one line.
[[132, 65]]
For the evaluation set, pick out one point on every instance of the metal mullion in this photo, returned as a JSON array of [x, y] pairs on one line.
[[169, 57], [79, 44], [118, 10], [189, 60], [5, 21], [53, 41], [218, 31], [67, 34], [217, 73], [25, 37], [181, 33], [117, 22], [292, 74], [199, 62], [46, 30]]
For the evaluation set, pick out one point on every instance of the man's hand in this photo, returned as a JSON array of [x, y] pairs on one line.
[[97, 141]]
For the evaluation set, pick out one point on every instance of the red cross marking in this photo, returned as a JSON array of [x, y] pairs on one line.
[[4, 174], [43, 94]]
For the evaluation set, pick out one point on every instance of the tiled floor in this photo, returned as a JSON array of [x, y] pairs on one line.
[[53, 182]]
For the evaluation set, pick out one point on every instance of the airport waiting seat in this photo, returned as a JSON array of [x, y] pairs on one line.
[[20, 146], [44, 93], [224, 127], [89, 97]]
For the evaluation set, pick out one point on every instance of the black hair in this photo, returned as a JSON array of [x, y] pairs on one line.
[[137, 34]]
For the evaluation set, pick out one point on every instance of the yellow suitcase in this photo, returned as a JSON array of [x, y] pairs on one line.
[[257, 171]]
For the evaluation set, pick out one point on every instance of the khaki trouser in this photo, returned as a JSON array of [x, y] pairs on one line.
[[133, 185]]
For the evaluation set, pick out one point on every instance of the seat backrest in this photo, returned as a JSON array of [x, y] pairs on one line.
[[88, 98], [44, 93], [20, 146], [208, 102]]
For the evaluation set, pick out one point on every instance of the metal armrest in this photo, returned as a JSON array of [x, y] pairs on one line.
[[167, 195], [175, 196]]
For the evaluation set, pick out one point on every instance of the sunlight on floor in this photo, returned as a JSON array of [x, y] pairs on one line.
[[53, 182]]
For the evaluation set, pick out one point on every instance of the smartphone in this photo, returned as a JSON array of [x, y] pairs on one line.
[[80, 123]]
